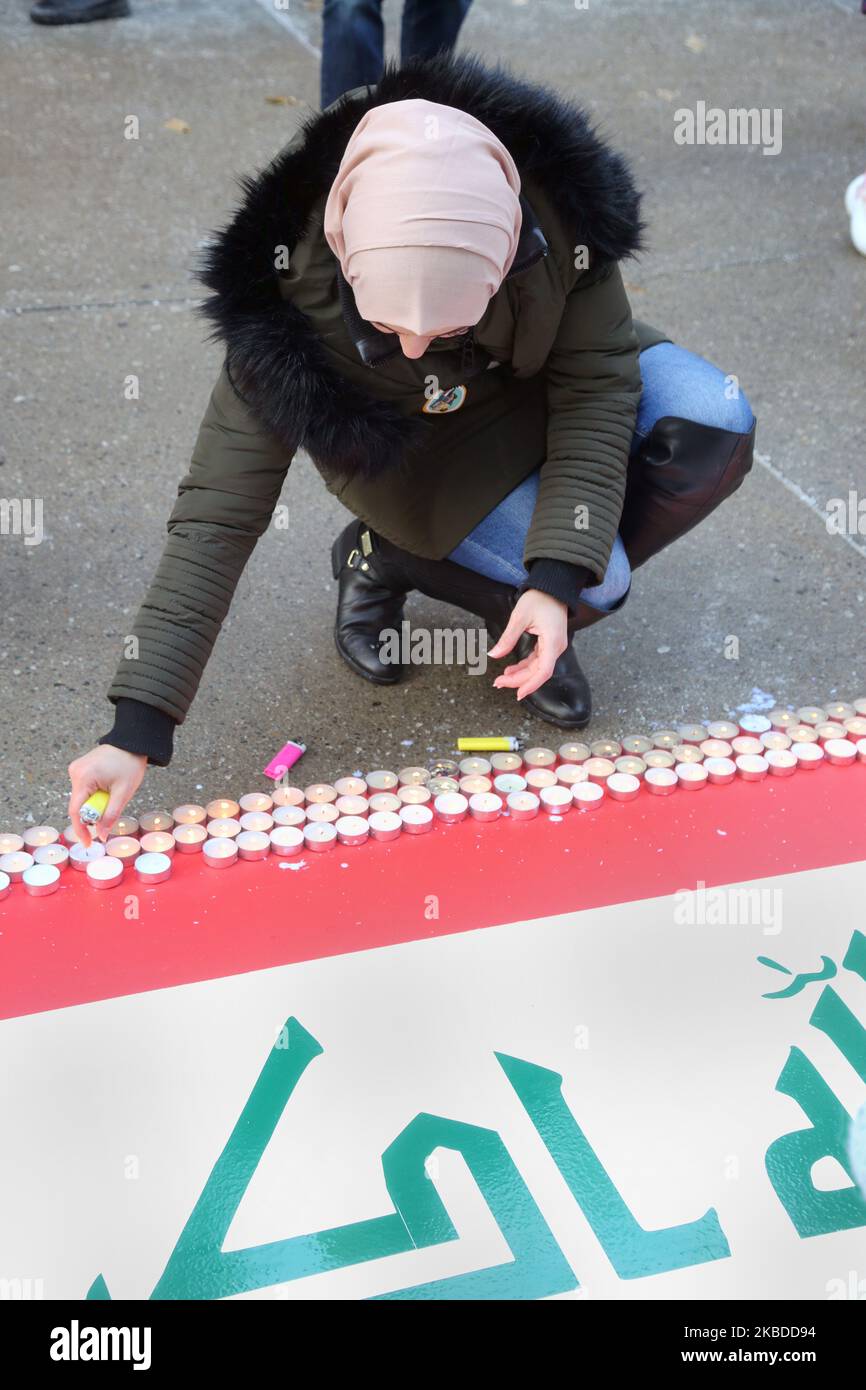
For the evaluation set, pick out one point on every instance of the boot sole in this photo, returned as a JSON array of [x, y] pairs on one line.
[[557, 723]]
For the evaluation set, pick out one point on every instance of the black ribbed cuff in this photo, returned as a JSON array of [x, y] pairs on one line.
[[559, 579], [141, 728]]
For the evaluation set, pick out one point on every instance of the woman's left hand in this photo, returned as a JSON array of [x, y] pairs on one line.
[[547, 619]]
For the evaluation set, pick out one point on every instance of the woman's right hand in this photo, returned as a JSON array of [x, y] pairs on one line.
[[104, 768]]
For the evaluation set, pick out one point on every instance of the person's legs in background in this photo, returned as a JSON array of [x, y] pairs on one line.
[[429, 25], [353, 39]]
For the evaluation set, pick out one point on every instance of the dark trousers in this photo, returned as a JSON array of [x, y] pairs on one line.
[[353, 39]]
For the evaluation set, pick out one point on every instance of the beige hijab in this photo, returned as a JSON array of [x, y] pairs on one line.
[[423, 216]]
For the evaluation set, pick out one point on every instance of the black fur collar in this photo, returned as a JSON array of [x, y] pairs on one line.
[[273, 355]]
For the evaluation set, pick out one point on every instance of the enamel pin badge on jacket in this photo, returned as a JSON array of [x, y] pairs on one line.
[[442, 402]]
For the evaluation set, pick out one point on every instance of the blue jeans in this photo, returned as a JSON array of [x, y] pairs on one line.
[[675, 382], [353, 39]]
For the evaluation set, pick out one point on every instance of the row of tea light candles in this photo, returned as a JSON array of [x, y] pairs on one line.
[[384, 805]]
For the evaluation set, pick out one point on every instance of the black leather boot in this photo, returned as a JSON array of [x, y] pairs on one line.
[[78, 11], [370, 601]]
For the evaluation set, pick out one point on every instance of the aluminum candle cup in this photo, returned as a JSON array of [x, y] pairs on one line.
[[41, 879], [687, 753], [79, 857], [287, 841], [350, 786], [156, 868], [260, 821], [622, 786], [40, 835], [417, 820], [11, 844], [539, 777], [319, 836], [154, 822], [661, 781], [384, 825], [606, 748], [475, 767], [755, 724], [418, 776], [127, 849], [523, 805], [485, 806], [749, 745], [188, 839], [569, 774], [723, 728], [225, 828], [693, 777], [556, 800], [507, 782], [510, 762], [782, 718], [861, 750], [352, 830], [841, 711], [451, 807], [5, 885], [720, 771], [752, 767], [219, 853], [290, 816], [385, 801], [631, 766], [692, 733], [573, 752], [58, 855], [534, 757], [776, 741], [320, 794], [587, 796], [188, 814], [599, 769], [157, 842], [382, 781], [322, 813], [255, 801], [437, 785], [856, 728], [411, 794], [254, 844], [447, 767], [288, 796], [824, 731], [474, 783], [636, 744], [802, 733], [860, 705], [781, 762], [105, 873], [659, 757], [716, 748], [812, 714], [665, 738], [223, 809], [808, 755], [840, 751], [127, 825]]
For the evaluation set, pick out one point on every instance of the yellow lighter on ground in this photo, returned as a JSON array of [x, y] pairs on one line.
[[93, 808], [487, 745]]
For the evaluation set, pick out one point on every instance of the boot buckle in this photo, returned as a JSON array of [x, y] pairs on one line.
[[353, 558]]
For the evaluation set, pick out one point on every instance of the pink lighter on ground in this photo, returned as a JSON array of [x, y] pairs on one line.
[[286, 758]]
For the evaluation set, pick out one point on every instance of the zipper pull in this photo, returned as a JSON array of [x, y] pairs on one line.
[[467, 352]]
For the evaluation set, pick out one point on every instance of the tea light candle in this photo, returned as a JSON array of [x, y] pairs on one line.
[[188, 814], [320, 794], [569, 774], [5, 886], [319, 836], [539, 777], [507, 782], [856, 728], [661, 781], [413, 794], [666, 738], [419, 776], [156, 822], [384, 825], [752, 767], [126, 848], [522, 805], [808, 755], [157, 842], [475, 767], [748, 745], [79, 857], [860, 705], [352, 831], [755, 724], [287, 841], [68, 837], [255, 801], [447, 767], [451, 807], [41, 879], [222, 809], [105, 873], [637, 744], [782, 718], [58, 855], [622, 786], [39, 835], [385, 801], [382, 781], [156, 868], [781, 762], [11, 844], [587, 796], [224, 828], [288, 796], [812, 714], [716, 748], [506, 762], [219, 852], [802, 733], [486, 806], [350, 786], [693, 777], [573, 752], [128, 825], [352, 804], [723, 728], [260, 821], [254, 844], [322, 813], [599, 769], [533, 757], [437, 785], [824, 731], [692, 733], [687, 753], [861, 750], [291, 816], [417, 820], [841, 752], [659, 757], [776, 740], [630, 766], [189, 839], [720, 770], [605, 748], [556, 800], [841, 711], [475, 783]]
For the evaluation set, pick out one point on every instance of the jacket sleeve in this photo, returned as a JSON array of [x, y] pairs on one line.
[[224, 504], [593, 389]]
